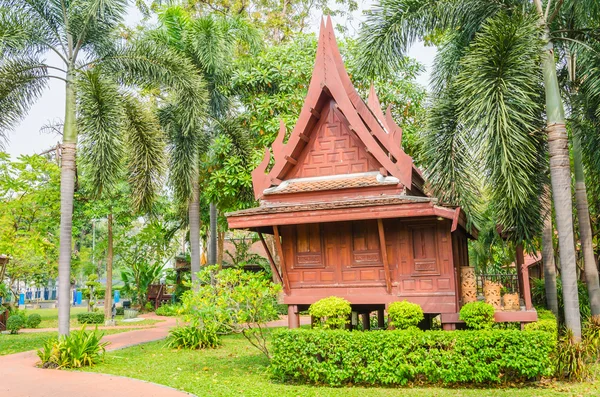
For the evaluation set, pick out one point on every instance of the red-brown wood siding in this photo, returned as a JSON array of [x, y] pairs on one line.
[[419, 255], [332, 150]]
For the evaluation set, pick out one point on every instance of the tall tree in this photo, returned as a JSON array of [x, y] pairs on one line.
[[508, 94], [94, 65], [210, 42]]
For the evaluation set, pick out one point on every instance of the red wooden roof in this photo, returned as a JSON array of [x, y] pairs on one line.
[[343, 156]]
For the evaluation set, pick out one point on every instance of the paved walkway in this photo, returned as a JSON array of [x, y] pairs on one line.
[[20, 378]]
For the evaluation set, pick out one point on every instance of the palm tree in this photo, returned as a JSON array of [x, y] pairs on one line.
[[489, 62], [211, 43], [95, 65]]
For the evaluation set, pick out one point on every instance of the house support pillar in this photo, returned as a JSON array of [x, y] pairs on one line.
[[380, 318], [293, 316], [366, 321], [449, 326]]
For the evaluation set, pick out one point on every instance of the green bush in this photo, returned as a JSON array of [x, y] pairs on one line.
[[120, 311], [79, 349], [14, 323], [236, 301], [478, 315], [90, 318], [169, 310], [194, 337], [34, 320], [330, 313], [335, 357], [546, 322], [404, 315]]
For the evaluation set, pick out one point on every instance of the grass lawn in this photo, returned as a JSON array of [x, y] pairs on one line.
[[50, 318], [238, 369], [23, 342]]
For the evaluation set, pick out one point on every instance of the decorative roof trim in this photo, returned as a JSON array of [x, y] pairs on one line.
[[330, 80]]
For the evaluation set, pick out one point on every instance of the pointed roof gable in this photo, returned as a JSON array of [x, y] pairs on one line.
[[374, 138]]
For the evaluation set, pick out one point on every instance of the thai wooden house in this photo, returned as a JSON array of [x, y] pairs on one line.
[[348, 211]]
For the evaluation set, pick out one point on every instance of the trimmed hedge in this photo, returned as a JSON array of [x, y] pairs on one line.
[[546, 322], [91, 318], [336, 357]]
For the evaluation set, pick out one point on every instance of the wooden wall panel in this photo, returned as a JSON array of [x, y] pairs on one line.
[[420, 255], [332, 150]]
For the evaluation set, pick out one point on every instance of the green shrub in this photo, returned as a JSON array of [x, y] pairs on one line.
[[90, 318], [235, 301], [194, 337], [573, 359], [546, 322], [477, 315], [169, 310], [14, 323], [591, 335], [404, 315], [336, 357], [538, 296], [120, 311], [34, 320], [79, 349], [330, 313]]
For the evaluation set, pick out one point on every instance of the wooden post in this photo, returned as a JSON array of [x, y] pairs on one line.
[[366, 321], [293, 316], [448, 326], [271, 260], [380, 318], [386, 265], [286, 282], [520, 259], [526, 288]]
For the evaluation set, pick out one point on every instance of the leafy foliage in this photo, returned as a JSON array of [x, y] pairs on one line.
[[232, 300], [330, 313], [34, 320], [169, 310], [546, 322], [90, 318], [80, 348], [478, 315], [397, 357], [14, 323], [404, 315], [29, 217], [194, 337], [538, 296]]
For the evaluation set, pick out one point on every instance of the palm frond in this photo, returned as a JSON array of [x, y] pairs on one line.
[[391, 27], [22, 81], [100, 118], [449, 165], [148, 65], [146, 160], [501, 102], [183, 151]]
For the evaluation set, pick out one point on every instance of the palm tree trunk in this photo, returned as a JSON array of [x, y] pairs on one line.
[[194, 215], [212, 249], [67, 189], [220, 247], [560, 173], [109, 270], [585, 228], [548, 256]]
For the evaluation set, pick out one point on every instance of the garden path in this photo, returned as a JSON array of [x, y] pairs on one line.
[[21, 378]]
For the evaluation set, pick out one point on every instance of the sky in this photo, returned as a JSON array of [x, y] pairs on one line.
[[49, 109]]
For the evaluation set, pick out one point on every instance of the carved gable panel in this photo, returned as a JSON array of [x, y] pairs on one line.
[[333, 150]]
